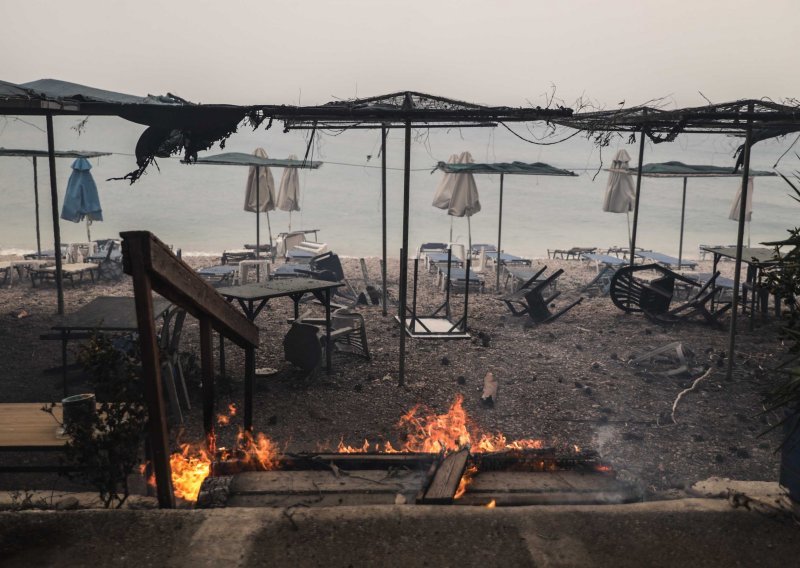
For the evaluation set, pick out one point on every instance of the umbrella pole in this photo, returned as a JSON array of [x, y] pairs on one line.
[[739, 241], [88, 230], [258, 209], [451, 230], [51, 158], [628, 217], [404, 252], [499, 234], [683, 215], [269, 230], [36, 201], [469, 236], [383, 217], [638, 192]]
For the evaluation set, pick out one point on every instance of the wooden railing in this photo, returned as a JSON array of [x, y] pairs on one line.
[[155, 269]]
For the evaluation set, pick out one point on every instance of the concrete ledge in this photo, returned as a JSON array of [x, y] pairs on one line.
[[688, 532]]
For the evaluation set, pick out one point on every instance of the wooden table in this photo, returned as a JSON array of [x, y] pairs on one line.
[[252, 298], [103, 314], [25, 427]]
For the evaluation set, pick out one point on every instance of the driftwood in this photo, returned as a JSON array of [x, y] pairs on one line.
[[684, 391], [489, 396]]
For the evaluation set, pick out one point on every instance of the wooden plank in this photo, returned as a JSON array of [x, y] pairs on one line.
[[320, 500], [176, 281], [358, 461], [318, 482], [542, 482], [446, 480], [24, 426], [623, 495]]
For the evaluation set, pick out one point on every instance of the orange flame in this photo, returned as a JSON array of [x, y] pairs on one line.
[[466, 479], [190, 467], [428, 432], [225, 419], [491, 504]]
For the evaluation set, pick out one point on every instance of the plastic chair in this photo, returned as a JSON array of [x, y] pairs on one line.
[[169, 343]]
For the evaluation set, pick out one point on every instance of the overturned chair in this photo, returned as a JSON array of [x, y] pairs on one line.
[[304, 345], [529, 298], [631, 294]]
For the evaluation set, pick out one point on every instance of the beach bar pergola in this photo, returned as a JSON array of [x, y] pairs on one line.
[[173, 124], [686, 171], [755, 120], [503, 168], [405, 109]]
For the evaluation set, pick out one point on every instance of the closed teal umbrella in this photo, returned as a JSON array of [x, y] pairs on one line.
[[81, 199]]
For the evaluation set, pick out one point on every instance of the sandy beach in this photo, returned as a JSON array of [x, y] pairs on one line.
[[568, 382]]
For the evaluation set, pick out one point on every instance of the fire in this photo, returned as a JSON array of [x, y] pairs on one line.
[[192, 464], [466, 479], [428, 432], [190, 467], [491, 504], [424, 431], [225, 419]]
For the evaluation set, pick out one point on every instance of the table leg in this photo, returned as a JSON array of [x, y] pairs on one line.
[[328, 346], [207, 374], [64, 362], [221, 356], [249, 379]]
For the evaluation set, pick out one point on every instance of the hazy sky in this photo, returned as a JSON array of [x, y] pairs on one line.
[[494, 52]]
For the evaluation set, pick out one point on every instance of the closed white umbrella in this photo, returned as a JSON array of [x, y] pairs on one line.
[[260, 195], [620, 192], [464, 199], [289, 191], [748, 210], [444, 191]]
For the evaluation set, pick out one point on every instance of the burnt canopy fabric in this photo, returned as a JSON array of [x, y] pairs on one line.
[[174, 125]]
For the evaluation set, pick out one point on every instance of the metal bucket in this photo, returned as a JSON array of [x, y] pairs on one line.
[[78, 410]]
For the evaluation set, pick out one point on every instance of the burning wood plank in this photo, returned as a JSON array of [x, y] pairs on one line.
[[446, 480]]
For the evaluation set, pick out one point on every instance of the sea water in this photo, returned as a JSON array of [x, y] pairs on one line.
[[199, 208]]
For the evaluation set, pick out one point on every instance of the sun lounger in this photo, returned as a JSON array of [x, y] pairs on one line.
[[219, 275], [289, 270], [68, 272], [507, 259], [573, 253], [476, 249], [604, 259], [666, 260], [458, 279], [236, 256], [435, 260]]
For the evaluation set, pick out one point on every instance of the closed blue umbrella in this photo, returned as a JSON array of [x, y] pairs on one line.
[[81, 199]]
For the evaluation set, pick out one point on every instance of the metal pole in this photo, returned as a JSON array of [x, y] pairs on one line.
[[683, 215], [384, 132], [36, 201], [404, 252], [739, 242], [499, 234], [51, 157], [258, 209], [638, 192]]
